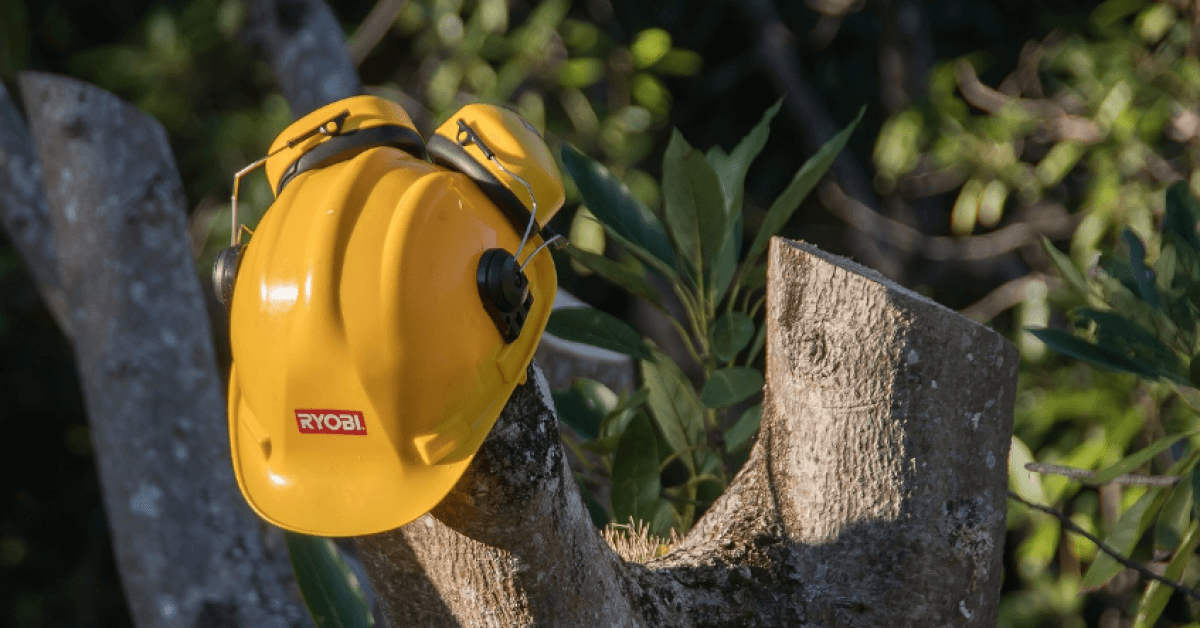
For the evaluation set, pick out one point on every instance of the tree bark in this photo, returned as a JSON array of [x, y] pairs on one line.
[[23, 210], [874, 496], [189, 551]]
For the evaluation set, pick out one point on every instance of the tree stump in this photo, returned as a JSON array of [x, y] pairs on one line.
[[874, 495]]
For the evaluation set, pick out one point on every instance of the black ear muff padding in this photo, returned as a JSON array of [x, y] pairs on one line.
[[225, 273], [336, 146], [448, 154]]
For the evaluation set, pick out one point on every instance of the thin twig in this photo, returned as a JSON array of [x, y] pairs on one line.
[[1138, 567], [1076, 473], [1004, 297], [373, 28], [943, 248]]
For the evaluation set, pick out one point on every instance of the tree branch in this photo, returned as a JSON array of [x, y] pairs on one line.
[[304, 44], [373, 29], [1056, 226], [1084, 474], [189, 551], [23, 210], [1104, 547]]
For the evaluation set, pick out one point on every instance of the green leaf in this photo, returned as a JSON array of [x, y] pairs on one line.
[[595, 510], [1114, 329], [739, 434], [673, 405], [1140, 458], [584, 406], [1194, 371], [613, 205], [574, 411], [333, 595], [1154, 599], [730, 385], [1065, 267], [730, 334], [731, 169], [619, 274], [1022, 481], [693, 204], [804, 181], [596, 328], [756, 345], [635, 482], [1130, 527], [723, 269], [1079, 349], [1142, 275], [1173, 521], [1183, 212], [1194, 478]]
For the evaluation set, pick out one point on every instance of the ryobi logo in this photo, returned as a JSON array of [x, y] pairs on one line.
[[331, 422]]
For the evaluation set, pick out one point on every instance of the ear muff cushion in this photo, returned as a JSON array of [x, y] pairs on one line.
[[325, 153], [448, 154]]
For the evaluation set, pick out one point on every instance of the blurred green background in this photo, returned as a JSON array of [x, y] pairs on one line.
[[980, 115]]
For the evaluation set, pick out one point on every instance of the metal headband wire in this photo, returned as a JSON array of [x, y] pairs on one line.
[[330, 127]]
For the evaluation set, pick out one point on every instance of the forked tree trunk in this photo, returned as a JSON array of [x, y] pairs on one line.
[[189, 550], [874, 496]]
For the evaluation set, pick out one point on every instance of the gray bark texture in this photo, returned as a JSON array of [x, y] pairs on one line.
[[23, 211], [874, 495], [190, 552], [304, 44]]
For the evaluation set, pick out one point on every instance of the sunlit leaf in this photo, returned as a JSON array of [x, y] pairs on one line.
[[806, 178], [693, 204], [730, 385], [635, 483], [731, 169], [332, 594], [1026, 484], [596, 328], [1065, 267], [1125, 533], [613, 205], [730, 334]]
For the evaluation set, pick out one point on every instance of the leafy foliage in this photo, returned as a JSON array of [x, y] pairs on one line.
[[700, 429], [1142, 317]]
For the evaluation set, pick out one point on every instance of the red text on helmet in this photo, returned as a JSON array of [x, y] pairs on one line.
[[331, 422]]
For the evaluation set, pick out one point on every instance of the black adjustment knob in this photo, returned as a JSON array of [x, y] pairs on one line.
[[504, 290], [225, 273]]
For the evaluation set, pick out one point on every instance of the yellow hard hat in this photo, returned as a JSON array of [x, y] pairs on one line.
[[379, 322]]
